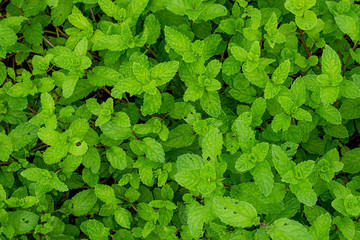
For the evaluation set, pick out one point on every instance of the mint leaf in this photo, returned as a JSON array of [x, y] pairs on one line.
[[94, 229], [123, 217], [6, 148], [348, 25], [180, 43], [105, 193], [351, 161], [320, 229], [330, 61], [289, 229], [304, 193], [182, 119], [117, 157], [235, 213], [212, 144], [330, 113], [82, 202]]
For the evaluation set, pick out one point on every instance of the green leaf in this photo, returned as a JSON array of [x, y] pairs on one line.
[[91, 159], [22, 89], [33, 33], [330, 114], [288, 229], [328, 95], [22, 221], [245, 163], [103, 76], [111, 9], [58, 185], [351, 161], [350, 109], [211, 11], [152, 103], [52, 3], [148, 228], [239, 53], [231, 66], [55, 153], [287, 104], [235, 213], [2, 193], [298, 90], [258, 108], [271, 25], [196, 216], [164, 72], [304, 192], [7, 36], [147, 213], [302, 114], [123, 217], [134, 10], [105, 193], [304, 169], [36, 174], [82, 202], [193, 93], [110, 42], [349, 89], [180, 43], [3, 72], [31, 8], [177, 6], [48, 136], [346, 226], [95, 229], [271, 90], [116, 157], [5, 147], [189, 166], [112, 130], [70, 163], [78, 20], [41, 64], [281, 122], [212, 144], [338, 131], [349, 25], [78, 128], [307, 21], [60, 13], [69, 85], [263, 177], [280, 160], [153, 26], [153, 150], [281, 73], [81, 48], [180, 137], [260, 151], [211, 104], [330, 62]]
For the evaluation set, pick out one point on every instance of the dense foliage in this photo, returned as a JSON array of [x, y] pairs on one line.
[[169, 119]]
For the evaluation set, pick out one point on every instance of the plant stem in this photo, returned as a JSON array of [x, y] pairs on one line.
[[303, 43], [348, 59]]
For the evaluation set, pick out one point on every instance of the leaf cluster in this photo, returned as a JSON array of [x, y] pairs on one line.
[[179, 119]]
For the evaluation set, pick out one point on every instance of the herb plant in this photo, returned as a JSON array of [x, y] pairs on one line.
[[179, 119]]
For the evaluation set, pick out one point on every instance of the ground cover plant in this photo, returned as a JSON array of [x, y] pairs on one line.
[[179, 119]]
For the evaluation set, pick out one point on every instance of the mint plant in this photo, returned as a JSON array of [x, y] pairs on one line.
[[181, 119]]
